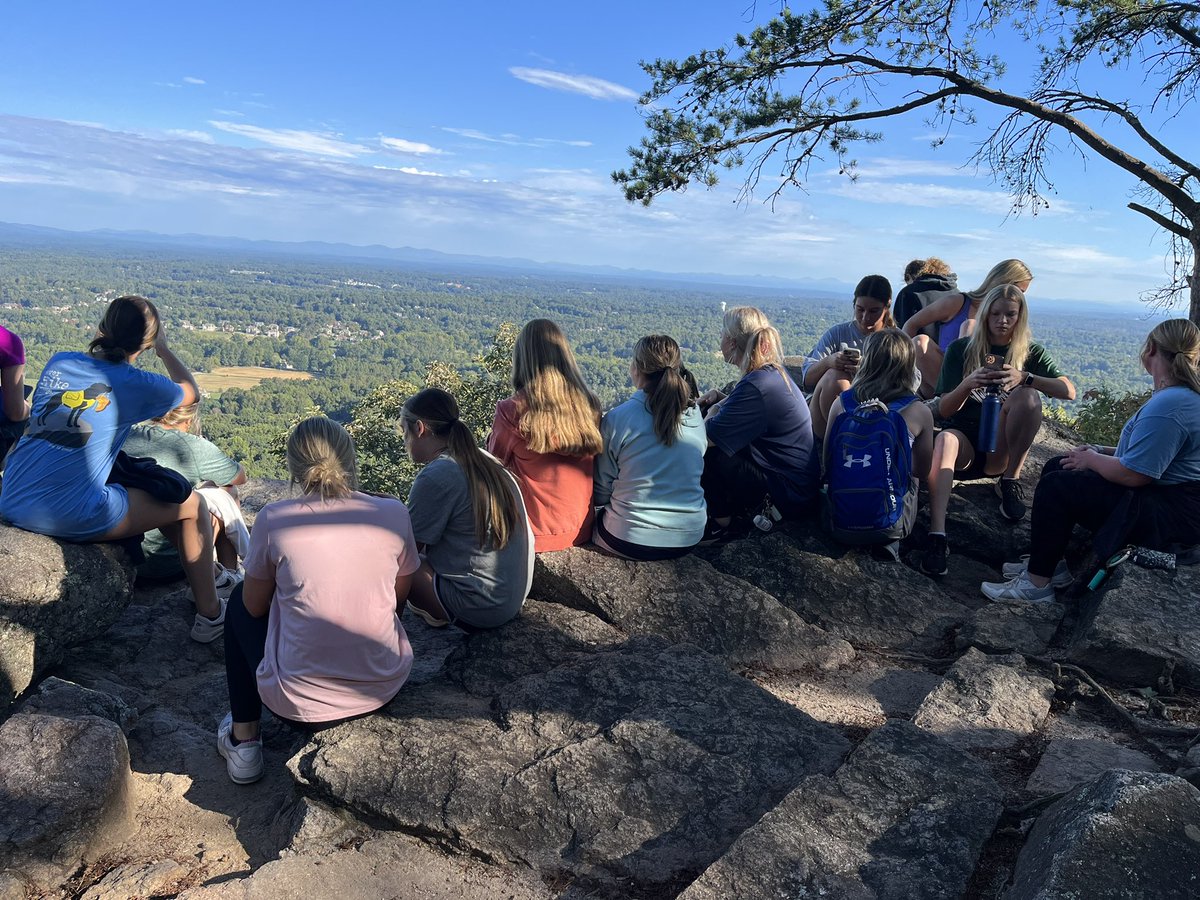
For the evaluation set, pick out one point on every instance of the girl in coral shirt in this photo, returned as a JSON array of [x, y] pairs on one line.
[[547, 434]]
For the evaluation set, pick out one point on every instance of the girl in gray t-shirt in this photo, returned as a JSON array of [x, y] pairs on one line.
[[468, 514]]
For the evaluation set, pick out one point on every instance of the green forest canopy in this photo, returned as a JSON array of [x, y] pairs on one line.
[[359, 325]]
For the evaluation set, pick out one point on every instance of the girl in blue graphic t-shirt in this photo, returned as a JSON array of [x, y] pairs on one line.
[[82, 410]]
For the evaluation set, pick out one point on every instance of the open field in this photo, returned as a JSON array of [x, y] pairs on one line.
[[222, 378]]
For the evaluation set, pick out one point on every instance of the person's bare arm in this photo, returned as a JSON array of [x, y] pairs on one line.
[[176, 370], [940, 310], [12, 386], [1107, 467], [403, 586], [920, 426], [257, 594], [835, 410]]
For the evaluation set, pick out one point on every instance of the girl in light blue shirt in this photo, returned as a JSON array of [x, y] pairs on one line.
[[647, 478]]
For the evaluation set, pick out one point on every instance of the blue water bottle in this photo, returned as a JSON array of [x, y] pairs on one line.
[[989, 422]]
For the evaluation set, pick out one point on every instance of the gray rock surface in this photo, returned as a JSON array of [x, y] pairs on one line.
[[64, 786], [53, 595], [1125, 835], [600, 766], [1026, 628], [385, 866], [1143, 621], [56, 697], [162, 878], [1069, 762], [905, 817], [986, 703], [687, 601], [848, 593]]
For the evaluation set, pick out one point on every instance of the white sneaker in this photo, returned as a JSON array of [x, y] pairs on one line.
[[1061, 578], [243, 762], [1020, 589], [227, 579], [206, 630]]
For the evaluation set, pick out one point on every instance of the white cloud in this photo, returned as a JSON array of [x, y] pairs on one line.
[[191, 79], [290, 139], [409, 170], [228, 112], [511, 140], [938, 196], [202, 136], [886, 167], [399, 145], [589, 86]]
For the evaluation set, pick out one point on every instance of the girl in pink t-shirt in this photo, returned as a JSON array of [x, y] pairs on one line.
[[548, 434], [316, 640]]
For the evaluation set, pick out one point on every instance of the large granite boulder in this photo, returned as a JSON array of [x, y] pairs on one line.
[[1127, 834], [64, 793], [986, 703], [53, 594], [687, 601], [1141, 623], [904, 818], [868, 602], [623, 767]]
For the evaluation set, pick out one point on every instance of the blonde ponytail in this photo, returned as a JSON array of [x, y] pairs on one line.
[[1180, 340], [321, 458]]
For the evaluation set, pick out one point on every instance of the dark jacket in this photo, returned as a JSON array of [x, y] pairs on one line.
[[919, 294]]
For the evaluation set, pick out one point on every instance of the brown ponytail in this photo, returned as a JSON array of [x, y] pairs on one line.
[[668, 393], [130, 324], [496, 512]]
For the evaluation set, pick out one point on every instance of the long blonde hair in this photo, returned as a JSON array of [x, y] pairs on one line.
[[1180, 340], [493, 504], [559, 414], [889, 358], [668, 394], [321, 458], [980, 343], [1010, 271], [755, 340]]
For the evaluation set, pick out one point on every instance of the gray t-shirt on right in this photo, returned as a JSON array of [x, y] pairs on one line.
[[480, 586]]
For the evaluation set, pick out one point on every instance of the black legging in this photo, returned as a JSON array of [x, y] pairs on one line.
[[733, 485], [245, 644], [1154, 516]]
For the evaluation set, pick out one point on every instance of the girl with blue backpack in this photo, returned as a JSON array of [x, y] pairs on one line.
[[878, 445]]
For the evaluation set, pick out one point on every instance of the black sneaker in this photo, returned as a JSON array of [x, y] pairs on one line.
[[935, 559], [723, 534], [1012, 499]]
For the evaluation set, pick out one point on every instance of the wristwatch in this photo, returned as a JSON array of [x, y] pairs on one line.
[[1028, 379]]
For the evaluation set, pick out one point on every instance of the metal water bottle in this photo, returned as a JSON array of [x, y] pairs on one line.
[[989, 423]]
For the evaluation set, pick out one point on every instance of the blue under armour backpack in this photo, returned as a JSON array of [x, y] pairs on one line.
[[871, 496]]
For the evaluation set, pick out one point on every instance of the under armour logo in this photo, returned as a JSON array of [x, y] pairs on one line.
[[850, 461]]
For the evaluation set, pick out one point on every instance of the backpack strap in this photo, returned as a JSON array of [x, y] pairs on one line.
[[849, 401]]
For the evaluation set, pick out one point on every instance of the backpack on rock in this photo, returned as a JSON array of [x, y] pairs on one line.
[[872, 495]]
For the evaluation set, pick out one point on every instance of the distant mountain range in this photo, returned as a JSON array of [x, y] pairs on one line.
[[413, 257]]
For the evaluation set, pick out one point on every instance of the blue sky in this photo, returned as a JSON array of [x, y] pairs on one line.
[[488, 129]]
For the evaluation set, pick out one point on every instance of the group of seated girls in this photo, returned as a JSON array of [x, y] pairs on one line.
[[319, 642], [954, 370]]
